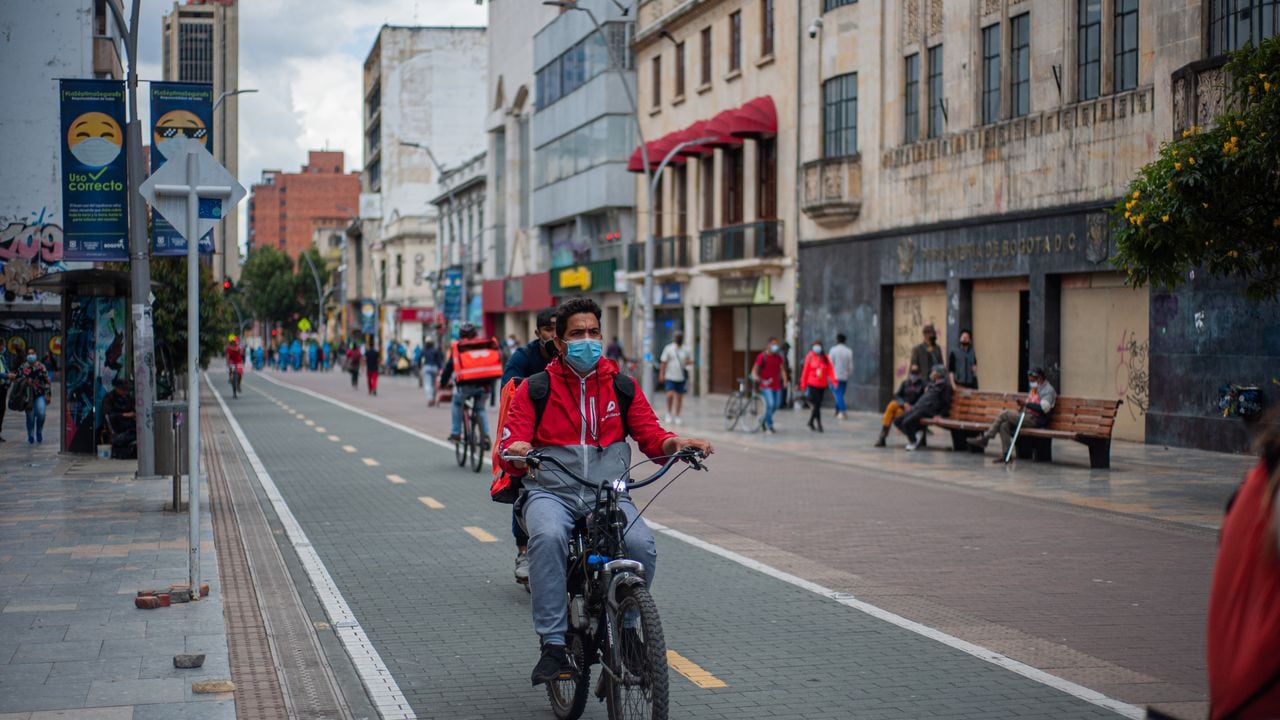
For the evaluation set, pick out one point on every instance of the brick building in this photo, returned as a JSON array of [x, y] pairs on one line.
[[285, 208]]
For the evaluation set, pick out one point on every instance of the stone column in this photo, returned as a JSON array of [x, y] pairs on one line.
[[1044, 314]]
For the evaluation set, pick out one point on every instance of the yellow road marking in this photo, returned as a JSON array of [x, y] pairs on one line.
[[432, 503], [479, 534], [310, 423], [396, 479], [321, 430], [692, 671], [349, 448], [334, 438], [370, 462]]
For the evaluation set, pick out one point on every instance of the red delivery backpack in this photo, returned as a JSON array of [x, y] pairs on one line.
[[477, 359]]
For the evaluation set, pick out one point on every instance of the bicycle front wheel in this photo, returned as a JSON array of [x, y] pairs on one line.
[[460, 446], [756, 408], [733, 410], [640, 657], [477, 445], [569, 697]]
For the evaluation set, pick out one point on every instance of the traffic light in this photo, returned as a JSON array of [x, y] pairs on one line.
[[273, 332], [226, 287]]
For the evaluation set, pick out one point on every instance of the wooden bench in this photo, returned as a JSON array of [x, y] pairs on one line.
[[1084, 420]]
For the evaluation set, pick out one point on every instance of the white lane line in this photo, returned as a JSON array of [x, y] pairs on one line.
[[396, 479], [309, 423], [431, 502], [349, 448], [320, 429], [370, 462], [480, 534], [334, 438], [381, 687], [991, 656]]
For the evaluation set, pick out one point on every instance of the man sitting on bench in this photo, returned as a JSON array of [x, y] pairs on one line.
[[935, 401], [1035, 413]]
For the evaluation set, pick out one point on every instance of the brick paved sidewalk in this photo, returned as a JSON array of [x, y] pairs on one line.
[[78, 537], [1172, 484]]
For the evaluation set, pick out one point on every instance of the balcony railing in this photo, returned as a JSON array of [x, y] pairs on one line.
[[668, 253], [833, 189], [751, 241]]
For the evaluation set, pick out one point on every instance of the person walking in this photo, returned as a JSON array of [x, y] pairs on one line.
[[842, 364], [675, 362], [770, 373], [1036, 408], [35, 376], [935, 401], [6, 378], [816, 375], [432, 361], [525, 361], [962, 363], [372, 363], [614, 352]]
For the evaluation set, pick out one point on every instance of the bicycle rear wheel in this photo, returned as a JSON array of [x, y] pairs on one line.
[[569, 697], [641, 657], [733, 410], [477, 444], [460, 445], [755, 407]]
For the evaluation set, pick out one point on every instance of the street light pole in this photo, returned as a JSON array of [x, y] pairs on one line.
[[139, 255], [319, 295], [646, 300], [440, 233], [222, 160]]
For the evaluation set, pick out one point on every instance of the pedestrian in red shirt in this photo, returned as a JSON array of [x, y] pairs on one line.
[[770, 372], [816, 376]]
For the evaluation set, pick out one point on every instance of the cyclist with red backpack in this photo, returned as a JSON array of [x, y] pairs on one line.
[[474, 364]]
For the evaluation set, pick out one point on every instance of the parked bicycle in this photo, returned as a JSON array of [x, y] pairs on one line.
[[745, 402], [613, 619], [471, 442]]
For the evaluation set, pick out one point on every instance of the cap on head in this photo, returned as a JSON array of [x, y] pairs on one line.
[[467, 331], [1036, 372], [547, 317]]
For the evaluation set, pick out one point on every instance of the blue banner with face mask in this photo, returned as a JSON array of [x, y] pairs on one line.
[[180, 113], [95, 171]]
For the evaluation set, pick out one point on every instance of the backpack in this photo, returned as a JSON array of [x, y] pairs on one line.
[[22, 396], [476, 360], [503, 489]]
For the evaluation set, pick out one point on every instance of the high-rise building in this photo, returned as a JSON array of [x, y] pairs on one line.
[[201, 44], [286, 208]]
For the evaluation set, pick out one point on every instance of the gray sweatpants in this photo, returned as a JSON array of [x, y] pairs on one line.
[[549, 520]]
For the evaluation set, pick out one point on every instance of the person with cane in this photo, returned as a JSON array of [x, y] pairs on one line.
[[1035, 410]]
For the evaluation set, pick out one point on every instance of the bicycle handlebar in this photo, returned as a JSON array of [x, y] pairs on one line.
[[691, 455]]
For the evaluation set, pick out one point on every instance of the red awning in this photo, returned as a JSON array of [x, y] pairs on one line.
[[658, 150], [755, 119], [720, 128], [636, 163], [693, 132]]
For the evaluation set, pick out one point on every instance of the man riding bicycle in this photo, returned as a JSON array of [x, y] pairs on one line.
[[581, 425], [235, 357], [476, 363]]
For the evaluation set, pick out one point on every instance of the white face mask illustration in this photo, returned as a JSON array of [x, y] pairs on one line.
[[175, 146], [95, 152]]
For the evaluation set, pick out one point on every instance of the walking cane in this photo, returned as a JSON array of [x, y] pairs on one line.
[[1014, 442]]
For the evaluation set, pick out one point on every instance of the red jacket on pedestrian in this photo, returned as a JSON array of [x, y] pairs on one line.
[[817, 371], [574, 419], [235, 356]]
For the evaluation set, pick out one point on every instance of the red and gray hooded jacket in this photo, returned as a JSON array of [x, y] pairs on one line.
[[582, 427]]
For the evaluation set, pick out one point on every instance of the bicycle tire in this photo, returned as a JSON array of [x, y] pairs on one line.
[[569, 697], [647, 699], [733, 410], [460, 445], [477, 443], [755, 406]]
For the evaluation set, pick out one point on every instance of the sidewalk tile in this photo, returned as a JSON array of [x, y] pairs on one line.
[[90, 670], [93, 713], [79, 631], [141, 647], [63, 696], [218, 710], [135, 692], [56, 652], [24, 674]]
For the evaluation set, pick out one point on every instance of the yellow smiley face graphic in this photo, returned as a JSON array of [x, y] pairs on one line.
[[95, 139], [178, 125]]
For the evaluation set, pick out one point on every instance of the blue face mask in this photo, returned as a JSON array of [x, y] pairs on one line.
[[583, 355]]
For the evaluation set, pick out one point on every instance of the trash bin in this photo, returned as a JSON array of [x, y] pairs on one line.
[[171, 437]]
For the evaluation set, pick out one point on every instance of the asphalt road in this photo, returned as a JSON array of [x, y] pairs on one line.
[[1108, 602]]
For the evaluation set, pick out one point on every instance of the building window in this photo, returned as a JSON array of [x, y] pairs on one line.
[[766, 28], [682, 199], [707, 174], [840, 116], [767, 178], [657, 81], [679, 70], [606, 139], [1126, 34], [828, 5], [588, 58], [911, 99], [399, 271], [1235, 23], [1089, 48], [195, 52], [935, 91], [735, 41], [733, 188], [1020, 64], [706, 56], [991, 74]]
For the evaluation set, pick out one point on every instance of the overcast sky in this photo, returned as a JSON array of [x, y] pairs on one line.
[[305, 58]]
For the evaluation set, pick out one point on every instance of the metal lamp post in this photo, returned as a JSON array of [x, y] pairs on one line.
[[320, 295], [440, 234], [222, 159]]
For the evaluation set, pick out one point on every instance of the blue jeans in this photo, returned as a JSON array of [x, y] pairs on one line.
[[771, 400], [35, 417], [549, 521], [840, 386], [460, 393]]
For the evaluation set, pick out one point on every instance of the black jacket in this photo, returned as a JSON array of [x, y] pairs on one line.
[[525, 361], [936, 399], [910, 390]]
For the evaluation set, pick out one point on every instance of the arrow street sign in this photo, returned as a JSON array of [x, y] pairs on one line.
[[209, 174]]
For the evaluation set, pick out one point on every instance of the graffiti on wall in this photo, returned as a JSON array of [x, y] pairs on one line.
[[1132, 378], [910, 317], [29, 248]]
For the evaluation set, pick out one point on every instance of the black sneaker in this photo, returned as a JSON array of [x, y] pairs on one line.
[[553, 665], [455, 437]]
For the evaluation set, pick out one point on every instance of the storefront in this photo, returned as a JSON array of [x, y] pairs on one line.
[[511, 305], [738, 318], [1034, 289], [597, 280]]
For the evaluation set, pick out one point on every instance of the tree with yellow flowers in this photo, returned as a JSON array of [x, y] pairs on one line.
[[1211, 200]]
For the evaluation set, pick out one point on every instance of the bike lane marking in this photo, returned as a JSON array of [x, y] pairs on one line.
[[396, 479], [334, 438], [431, 502], [991, 656], [480, 534], [349, 448], [370, 462], [381, 688], [321, 430], [693, 672]]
